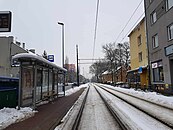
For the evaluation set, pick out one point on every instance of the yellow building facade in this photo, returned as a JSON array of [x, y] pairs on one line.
[[138, 56]]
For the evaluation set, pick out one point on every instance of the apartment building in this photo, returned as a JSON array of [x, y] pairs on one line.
[[139, 56], [159, 26]]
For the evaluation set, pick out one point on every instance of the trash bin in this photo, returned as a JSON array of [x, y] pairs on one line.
[[8, 98]]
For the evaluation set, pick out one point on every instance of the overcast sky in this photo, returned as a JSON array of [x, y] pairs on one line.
[[35, 23]]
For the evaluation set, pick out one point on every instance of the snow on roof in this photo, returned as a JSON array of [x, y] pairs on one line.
[[106, 72], [31, 56]]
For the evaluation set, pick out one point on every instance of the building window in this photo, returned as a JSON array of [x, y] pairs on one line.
[[157, 68], [169, 4], [170, 32], [153, 17], [139, 40], [155, 41], [140, 56]]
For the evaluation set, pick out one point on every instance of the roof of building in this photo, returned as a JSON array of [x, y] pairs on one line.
[[136, 27], [108, 72]]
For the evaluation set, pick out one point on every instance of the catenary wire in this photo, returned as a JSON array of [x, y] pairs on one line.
[[129, 20], [137, 21], [95, 29]]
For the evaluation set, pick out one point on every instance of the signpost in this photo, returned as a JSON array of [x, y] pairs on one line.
[[5, 21]]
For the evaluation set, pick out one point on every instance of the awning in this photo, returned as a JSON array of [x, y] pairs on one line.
[[136, 69]]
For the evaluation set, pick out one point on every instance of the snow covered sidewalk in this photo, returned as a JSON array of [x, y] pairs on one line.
[[9, 116]]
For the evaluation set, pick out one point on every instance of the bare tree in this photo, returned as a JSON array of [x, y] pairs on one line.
[[111, 54], [116, 56], [98, 68], [126, 54]]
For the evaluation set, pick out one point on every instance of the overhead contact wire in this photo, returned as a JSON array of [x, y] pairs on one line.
[[95, 29]]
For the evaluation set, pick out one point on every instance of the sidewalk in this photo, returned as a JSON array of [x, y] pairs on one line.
[[49, 115]]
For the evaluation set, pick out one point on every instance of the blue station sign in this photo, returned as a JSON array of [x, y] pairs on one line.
[[51, 58]]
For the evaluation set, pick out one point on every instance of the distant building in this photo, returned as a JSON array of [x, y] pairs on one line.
[[159, 21], [71, 73], [118, 76], [70, 67], [7, 49], [138, 56]]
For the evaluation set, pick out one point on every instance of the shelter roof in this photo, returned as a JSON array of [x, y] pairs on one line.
[[36, 58]]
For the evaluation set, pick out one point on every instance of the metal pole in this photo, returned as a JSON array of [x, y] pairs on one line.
[[57, 83], [20, 87], [64, 84], [63, 45], [62, 24], [35, 84], [77, 66], [149, 72]]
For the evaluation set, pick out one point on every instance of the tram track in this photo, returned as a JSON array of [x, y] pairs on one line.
[[82, 115], [107, 115], [114, 102], [114, 114], [159, 114]]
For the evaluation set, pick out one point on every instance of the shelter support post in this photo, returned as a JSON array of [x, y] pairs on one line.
[[64, 84], [35, 85], [20, 87]]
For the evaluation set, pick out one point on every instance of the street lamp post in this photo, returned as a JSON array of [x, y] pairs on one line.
[[62, 24]]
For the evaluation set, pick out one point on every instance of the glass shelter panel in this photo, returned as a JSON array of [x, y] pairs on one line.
[[45, 84], [50, 82], [27, 86], [39, 85]]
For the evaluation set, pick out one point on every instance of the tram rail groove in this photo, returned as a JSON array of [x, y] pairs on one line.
[[114, 114], [170, 125]]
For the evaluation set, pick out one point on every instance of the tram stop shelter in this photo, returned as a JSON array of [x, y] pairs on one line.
[[39, 79]]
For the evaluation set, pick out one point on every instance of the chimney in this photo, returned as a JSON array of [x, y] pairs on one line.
[[23, 46], [32, 50], [18, 43]]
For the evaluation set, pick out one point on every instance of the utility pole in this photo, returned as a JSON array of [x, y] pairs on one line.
[[148, 51], [77, 65]]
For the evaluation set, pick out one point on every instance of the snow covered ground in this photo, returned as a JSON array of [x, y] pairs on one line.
[[132, 117], [151, 96], [9, 116], [73, 90]]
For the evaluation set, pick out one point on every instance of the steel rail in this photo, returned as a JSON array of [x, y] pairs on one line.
[[114, 114], [163, 122]]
